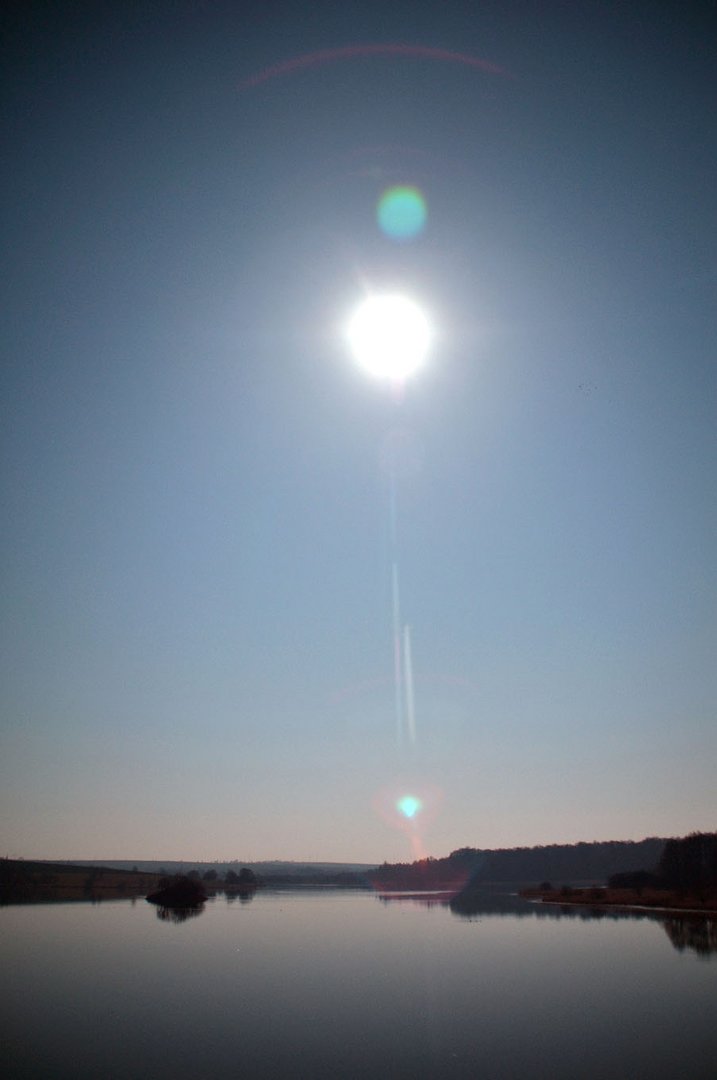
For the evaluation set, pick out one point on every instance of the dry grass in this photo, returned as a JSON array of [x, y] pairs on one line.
[[669, 899], [35, 880]]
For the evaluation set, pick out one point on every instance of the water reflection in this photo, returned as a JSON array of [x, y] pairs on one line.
[[697, 933], [244, 896], [179, 914], [690, 931]]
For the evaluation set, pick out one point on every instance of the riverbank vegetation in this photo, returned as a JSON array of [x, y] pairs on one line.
[[684, 879]]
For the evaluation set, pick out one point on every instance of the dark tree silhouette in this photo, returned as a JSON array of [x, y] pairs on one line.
[[554, 862], [634, 879], [179, 892], [690, 862]]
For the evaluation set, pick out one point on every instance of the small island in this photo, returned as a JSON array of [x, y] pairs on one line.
[[179, 892], [191, 891]]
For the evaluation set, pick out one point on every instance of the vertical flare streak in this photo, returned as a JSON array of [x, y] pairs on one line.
[[408, 680], [397, 655], [396, 602]]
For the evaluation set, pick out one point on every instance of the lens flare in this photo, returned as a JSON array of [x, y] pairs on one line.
[[352, 52], [409, 806], [401, 213]]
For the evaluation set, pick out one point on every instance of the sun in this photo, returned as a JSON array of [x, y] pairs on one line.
[[409, 806], [389, 336]]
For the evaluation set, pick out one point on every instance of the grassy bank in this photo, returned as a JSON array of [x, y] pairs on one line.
[[667, 899], [25, 880]]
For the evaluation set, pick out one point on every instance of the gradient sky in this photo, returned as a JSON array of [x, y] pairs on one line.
[[196, 627]]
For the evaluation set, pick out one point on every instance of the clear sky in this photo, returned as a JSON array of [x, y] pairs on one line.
[[196, 565]]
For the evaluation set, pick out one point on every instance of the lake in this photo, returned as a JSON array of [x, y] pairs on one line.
[[345, 984]]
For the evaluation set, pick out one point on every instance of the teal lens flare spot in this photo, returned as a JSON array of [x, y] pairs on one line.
[[409, 805], [401, 213]]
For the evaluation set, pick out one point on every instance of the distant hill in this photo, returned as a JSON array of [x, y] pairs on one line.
[[27, 879], [267, 870], [557, 863]]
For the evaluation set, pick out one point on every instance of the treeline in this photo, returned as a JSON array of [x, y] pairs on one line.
[[344, 880], [215, 876], [594, 862], [687, 863], [275, 871], [246, 878]]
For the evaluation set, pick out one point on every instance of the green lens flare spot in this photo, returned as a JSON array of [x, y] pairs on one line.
[[401, 213], [409, 806]]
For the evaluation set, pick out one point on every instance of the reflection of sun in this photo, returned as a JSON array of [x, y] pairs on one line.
[[389, 336]]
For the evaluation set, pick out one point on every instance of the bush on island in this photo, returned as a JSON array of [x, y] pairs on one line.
[[179, 892]]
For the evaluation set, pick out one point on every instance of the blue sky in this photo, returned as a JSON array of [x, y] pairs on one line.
[[196, 560]]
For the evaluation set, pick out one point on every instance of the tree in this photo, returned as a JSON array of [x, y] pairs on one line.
[[690, 862], [211, 875]]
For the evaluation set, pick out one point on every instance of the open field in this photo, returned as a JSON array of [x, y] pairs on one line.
[[25, 880]]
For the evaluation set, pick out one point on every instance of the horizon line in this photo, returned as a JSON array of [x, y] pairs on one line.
[[347, 861]]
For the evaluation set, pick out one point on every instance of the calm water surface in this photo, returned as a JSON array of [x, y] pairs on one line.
[[344, 984]]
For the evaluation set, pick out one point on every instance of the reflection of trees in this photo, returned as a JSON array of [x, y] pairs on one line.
[[244, 896], [412, 898], [695, 932], [473, 902], [179, 914], [684, 931]]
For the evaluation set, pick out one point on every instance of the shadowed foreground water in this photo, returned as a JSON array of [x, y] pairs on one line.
[[346, 984]]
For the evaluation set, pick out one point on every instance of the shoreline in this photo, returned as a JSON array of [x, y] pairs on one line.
[[658, 901]]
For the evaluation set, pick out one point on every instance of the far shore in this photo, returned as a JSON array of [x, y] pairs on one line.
[[32, 881], [667, 900]]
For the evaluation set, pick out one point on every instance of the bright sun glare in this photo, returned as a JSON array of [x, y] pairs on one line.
[[409, 806], [389, 336]]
